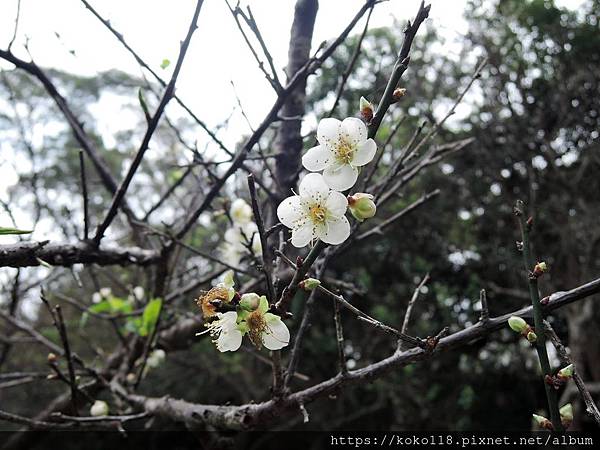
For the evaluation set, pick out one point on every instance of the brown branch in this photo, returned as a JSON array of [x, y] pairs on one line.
[[267, 260], [27, 254], [256, 415]]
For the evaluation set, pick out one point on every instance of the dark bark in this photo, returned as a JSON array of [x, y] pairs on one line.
[[288, 145]]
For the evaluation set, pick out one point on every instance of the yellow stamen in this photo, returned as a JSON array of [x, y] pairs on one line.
[[257, 325], [317, 213], [205, 301], [344, 152]]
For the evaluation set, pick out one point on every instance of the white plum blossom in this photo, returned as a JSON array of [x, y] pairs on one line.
[[263, 328], [225, 332], [242, 232], [240, 211], [343, 148], [317, 212]]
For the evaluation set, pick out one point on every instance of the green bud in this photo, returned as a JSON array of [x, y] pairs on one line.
[[542, 422], [362, 206], [366, 109], [517, 324], [99, 408], [566, 372], [250, 301], [566, 413], [309, 284], [531, 337]]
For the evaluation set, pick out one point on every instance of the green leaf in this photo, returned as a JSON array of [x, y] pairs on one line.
[[165, 63], [4, 230], [102, 307], [150, 316]]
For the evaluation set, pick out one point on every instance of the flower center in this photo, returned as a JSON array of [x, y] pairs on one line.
[[211, 300], [317, 213], [257, 325], [344, 152]]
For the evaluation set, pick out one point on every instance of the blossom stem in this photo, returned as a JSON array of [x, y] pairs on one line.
[[301, 270], [267, 263], [534, 294]]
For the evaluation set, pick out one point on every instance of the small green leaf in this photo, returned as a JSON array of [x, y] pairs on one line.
[[4, 230], [150, 316], [165, 63], [101, 307]]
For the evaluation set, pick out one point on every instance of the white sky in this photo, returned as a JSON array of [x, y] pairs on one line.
[[216, 56]]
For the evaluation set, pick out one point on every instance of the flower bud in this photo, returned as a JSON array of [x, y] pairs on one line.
[[138, 291], [96, 297], [542, 422], [398, 94], [52, 358], [366, 109], [130, 378], [105, 292], [362, 206], [517, 324], [531, 337], [156, 358], [566, 415], [566, 372], [539, 269], [309, 284], [250, 301], [99, 408]]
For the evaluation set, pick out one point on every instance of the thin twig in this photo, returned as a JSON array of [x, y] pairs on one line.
[[267, 260], [538, 316], [152, 126], [591, 407], [412, 302]]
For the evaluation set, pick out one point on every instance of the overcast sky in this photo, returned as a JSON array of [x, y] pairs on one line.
[[65, 35]]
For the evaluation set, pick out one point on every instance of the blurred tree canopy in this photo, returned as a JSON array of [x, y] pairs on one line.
[[534, 115]]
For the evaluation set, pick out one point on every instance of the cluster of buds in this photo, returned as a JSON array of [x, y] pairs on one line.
[[520, 326], [566, 418], [559, 380], [539, 269], [362, 206]]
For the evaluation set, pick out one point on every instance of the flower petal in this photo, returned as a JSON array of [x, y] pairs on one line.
[[328, 131], [335, 232], [354, 130], [229, 340], [290, 211], [364, 153], [336, 204], [340, 178], [313, 187], [301, 236], [277, 335], [316, 158]]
